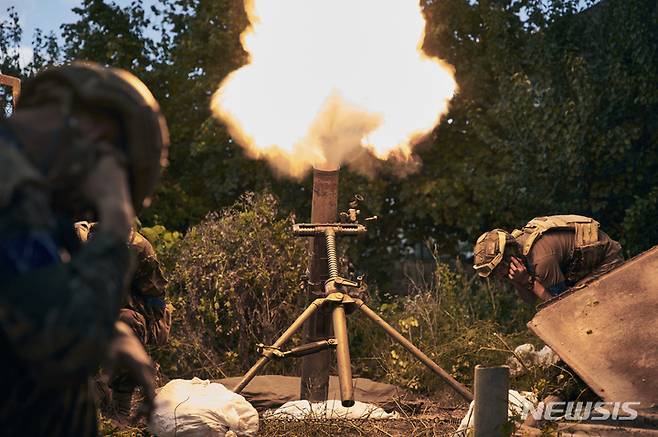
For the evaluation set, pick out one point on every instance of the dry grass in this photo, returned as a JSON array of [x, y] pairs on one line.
[[433, 418], [439, 416], [408, 426]]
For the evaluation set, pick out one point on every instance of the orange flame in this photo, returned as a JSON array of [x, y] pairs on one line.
[[327, 77]]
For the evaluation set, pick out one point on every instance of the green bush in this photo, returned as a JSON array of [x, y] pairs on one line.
[[162, 239], [235, 283]]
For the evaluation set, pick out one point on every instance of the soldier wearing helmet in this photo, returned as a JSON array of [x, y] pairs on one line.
[[144, 310], [85, 142], [548, 255]]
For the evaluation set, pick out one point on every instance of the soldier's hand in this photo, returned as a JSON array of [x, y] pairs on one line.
[[107, 188], [128, 354], [518, 273]]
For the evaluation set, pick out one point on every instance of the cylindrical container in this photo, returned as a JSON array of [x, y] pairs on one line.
[[491, 401]]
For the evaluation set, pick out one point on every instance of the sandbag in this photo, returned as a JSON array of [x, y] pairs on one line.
[[271, 391], [526, 352], [331, 409], [201, 408]]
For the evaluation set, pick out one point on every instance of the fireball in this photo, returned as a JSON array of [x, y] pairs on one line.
[[328, 77]]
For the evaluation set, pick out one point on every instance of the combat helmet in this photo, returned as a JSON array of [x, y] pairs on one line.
[[144, 129], [489, 250]]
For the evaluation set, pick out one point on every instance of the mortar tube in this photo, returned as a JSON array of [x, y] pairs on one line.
[[324, 209]]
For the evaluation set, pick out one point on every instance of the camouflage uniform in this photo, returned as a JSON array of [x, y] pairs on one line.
[[56, 317], [561, 251], [144, 309], [553, 260]]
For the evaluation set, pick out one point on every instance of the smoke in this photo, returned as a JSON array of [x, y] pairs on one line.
[[338, 131]]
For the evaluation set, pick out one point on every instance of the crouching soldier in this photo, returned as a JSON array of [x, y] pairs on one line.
[[548, 255], [144, 309]]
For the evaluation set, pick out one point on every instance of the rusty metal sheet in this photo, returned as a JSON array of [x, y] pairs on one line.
[[607, 332]]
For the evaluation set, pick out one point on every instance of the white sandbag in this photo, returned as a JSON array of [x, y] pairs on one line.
[[331, 409], [520, 404], [199, 408], [530, 357]]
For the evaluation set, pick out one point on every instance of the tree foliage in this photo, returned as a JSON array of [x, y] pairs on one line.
[[109, 34]]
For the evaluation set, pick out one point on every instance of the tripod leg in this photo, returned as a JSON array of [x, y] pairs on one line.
[[267, 354], [343, 356], [456, 385]]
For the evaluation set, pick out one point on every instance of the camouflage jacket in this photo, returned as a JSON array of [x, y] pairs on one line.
[[147, 288], [58, 306]]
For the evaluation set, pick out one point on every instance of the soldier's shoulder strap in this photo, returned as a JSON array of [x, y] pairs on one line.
[[586, 229]]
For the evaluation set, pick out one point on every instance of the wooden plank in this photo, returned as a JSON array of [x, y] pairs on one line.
[[14, 83]]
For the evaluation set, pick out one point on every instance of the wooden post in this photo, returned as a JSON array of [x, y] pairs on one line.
[[15, 84]]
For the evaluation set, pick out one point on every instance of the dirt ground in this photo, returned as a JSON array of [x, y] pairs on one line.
[[438, 415]]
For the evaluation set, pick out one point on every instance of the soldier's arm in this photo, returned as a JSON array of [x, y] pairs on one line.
[[549, 279], [540, 291], [59, 318], [126, 353], [529, 286], [531, 293], [525, 294]]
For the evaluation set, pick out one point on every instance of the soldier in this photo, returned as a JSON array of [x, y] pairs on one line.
[[84, 141], [146, 313], [548, 256], [144, 309]]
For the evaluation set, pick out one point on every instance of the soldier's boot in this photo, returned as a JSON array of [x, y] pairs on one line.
[[122, 403]]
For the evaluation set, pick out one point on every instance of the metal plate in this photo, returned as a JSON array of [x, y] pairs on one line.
[[607, 332]]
